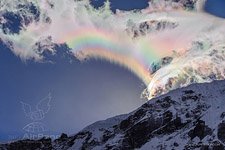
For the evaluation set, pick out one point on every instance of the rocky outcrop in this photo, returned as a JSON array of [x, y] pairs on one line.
[[28, 145], [177, 120], [221, 132], [187, 118]]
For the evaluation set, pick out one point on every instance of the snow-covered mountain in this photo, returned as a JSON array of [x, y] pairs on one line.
[[186, 118]]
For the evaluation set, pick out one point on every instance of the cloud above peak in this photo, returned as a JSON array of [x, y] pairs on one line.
[[134, 39]]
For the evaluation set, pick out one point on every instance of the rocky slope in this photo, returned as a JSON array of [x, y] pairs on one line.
[[187, 118]]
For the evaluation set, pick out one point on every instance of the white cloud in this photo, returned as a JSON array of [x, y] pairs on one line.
[[198, 41]]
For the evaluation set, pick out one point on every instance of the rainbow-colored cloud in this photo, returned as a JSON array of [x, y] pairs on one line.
[[166, 45]]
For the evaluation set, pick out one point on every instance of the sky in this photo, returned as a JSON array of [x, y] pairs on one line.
[[216, 7], [82, 92], [122, 5]]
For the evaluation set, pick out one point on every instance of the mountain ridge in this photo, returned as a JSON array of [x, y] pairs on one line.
[[187, 118]]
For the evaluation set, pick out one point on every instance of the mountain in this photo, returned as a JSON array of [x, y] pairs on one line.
[[188, 118]]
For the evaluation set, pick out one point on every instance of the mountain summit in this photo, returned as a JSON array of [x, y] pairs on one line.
[[188, 118]]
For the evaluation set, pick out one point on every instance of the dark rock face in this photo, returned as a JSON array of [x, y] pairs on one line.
[[200, 130], [28, 145], [125, 124], [171, 126], [221, 132], [138, 134], [222, 116], [215, 145], [89, 143], [177, 120]]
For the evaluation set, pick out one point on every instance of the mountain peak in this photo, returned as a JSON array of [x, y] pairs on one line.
[[188, 118]]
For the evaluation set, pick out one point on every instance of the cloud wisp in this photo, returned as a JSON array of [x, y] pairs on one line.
[[168, 45]]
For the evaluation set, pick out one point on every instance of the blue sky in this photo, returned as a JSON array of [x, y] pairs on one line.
[[82, 93], [122, 4], [216, 7]]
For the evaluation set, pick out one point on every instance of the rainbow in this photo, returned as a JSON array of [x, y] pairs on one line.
[[89, 43]]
